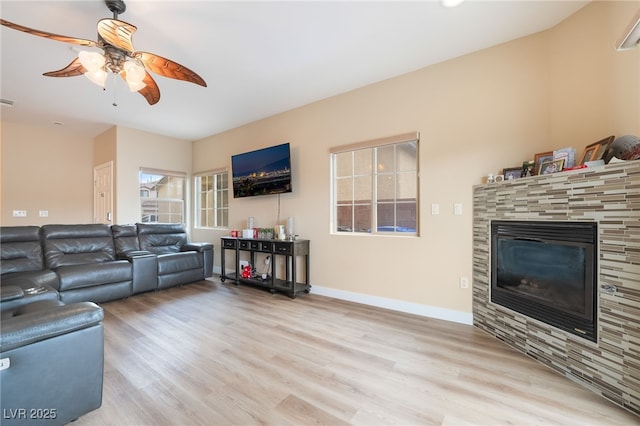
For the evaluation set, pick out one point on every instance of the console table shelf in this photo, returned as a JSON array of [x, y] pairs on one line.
[[291, 250]]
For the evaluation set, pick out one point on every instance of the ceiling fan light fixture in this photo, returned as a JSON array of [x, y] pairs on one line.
[[134, 74], [91, 61], [136, 86], [98, 77]]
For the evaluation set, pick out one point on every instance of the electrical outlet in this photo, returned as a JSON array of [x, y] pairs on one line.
[[457, 209], [19, 213], [44, 213], [435, 209], [464, 282]]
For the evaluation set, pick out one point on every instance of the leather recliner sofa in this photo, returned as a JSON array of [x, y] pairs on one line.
[[22, 264], [51, 357], [98, 262], [178, 260], [84, 258]]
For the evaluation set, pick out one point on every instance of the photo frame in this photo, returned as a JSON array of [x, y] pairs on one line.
[[596, 150], [528, 168], [551, 166], [539, 158], [512, 173]]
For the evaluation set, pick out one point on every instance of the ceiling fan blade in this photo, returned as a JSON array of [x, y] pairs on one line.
[[150, 91], [167, 68], [56, 37], [73, 69], [117, 33]]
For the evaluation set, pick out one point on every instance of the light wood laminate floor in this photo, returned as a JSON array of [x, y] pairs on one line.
[[215, 354]]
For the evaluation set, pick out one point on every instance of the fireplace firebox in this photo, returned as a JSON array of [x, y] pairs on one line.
[[547, 271]]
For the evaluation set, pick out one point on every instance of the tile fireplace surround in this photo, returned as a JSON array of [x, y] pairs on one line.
[[610, 196]]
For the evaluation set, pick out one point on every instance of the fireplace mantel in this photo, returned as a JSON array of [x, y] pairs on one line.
[[610, 196]]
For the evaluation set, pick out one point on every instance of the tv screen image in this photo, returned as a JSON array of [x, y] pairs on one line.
[[262, 172]]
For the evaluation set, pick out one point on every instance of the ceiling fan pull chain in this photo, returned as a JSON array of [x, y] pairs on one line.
[[115, 104]]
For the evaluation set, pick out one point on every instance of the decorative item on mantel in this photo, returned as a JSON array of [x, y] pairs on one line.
[[566, 154], [552, 166], [606, 150], [596, 150], [513, 173], [528, 168], [624, 148], [540, 158]]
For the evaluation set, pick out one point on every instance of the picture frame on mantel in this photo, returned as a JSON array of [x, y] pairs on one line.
[[512, 173], [541, 158], [551, 166], [596, 150]]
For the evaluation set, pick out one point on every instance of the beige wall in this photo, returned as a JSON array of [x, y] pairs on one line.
[[51, 168], [136, 149], [595, 89], [476, 114], [46, 168]]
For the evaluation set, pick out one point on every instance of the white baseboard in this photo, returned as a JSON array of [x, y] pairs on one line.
[[396, 305], [393, 304]]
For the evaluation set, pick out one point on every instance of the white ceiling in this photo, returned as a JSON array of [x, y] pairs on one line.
[[258, 58]]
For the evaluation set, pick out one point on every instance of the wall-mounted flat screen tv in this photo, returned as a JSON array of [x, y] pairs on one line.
[[262, 172]]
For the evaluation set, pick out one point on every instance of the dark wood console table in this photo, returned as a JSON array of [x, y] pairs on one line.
[[291, 250]]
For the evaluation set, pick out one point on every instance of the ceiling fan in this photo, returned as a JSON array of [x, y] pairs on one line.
[[114, 38]]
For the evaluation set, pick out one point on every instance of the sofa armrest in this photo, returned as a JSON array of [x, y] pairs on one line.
[[129, 255], [10, 292], [43, 278], [200, 247], [145, 269], [207, 255], [21, 290], [42, 320]]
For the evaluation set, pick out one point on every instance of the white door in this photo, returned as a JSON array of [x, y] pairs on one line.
[[103, 193]]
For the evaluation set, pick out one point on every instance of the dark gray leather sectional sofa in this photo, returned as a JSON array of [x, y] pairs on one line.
[[98, 262], [51, 334]]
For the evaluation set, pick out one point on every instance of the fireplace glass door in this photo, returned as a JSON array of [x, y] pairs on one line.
[[546, 270]]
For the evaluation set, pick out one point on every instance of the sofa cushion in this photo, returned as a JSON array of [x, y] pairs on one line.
[[77, 276], [177, 262], [161, 238], [45, 319], [20, 249], [66, 245], [125, 238]]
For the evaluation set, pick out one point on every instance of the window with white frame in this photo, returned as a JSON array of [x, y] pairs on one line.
[[162, 196], [375, 186], [212, 199]]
